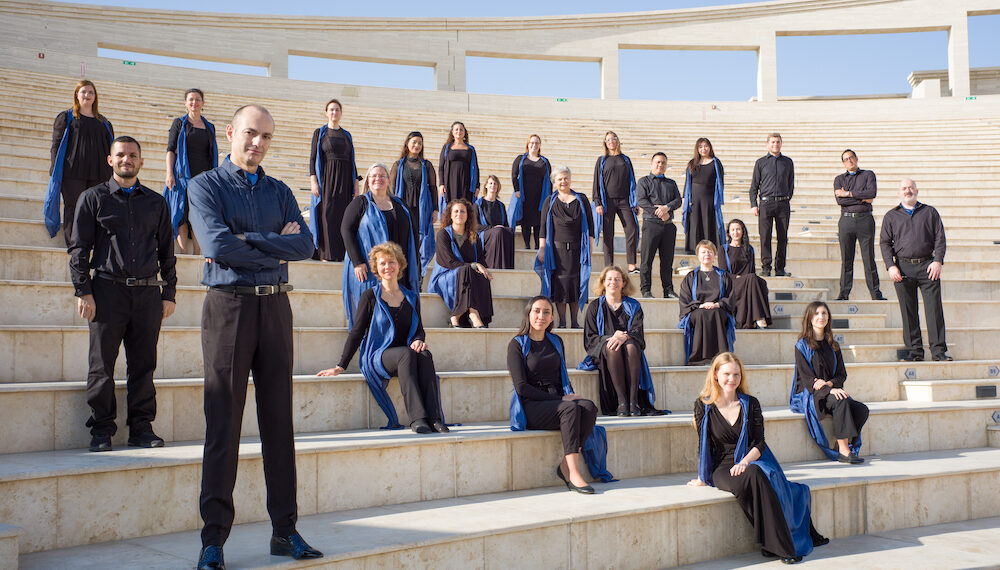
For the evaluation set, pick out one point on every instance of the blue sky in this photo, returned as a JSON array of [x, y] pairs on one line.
[[818, 65]]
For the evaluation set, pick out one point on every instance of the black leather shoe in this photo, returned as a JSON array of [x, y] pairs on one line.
[[912, 358], [943, 357], [879, 297], [820, 540], [647, 295], [765, 272], [293, 545], [421, 426], [585, 490], [852, 459], [670, 295], [560, 475], [100, 442], [841, 298], [795, 560], [145, 439], [782, 273], [622, 410], [440, 427], [211, 558]]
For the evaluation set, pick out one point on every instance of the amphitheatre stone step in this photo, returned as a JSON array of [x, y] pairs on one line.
[[993, 435], [9, 551], [941, 390]]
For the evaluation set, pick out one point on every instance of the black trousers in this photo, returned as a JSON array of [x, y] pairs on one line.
[[574, 419], [915, 277], [129, 315], [773, 213], [417, 381], [526, 234], [849, 416], [657, 238], [857, 229], [240, 334], [623, 210], [71, 189]]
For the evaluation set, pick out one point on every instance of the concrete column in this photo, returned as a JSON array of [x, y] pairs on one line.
[[767, 69], [609, 74], [278, 64], [958, 57], [449, 72]]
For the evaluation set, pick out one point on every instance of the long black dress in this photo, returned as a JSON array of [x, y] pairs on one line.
[[455, 173], [566, 220], [701, 222], [595, 342], [532, 178], [749, 295], [498, 239], [88, 146], [849, 415], [709, 325], [472, 289], [412, 173], [336, 190], [199, 154], [538, 382]]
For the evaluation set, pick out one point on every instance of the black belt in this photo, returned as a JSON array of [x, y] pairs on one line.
[[855, 214], [914, 260], [132, 281], [775, 198], [256, 290], [567, 245]]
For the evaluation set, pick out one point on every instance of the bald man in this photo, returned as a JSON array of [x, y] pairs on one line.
[[249, 227], [913, 248]]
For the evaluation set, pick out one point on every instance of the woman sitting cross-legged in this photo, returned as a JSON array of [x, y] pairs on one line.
[[459, 276], [387, 327], [705, 314]]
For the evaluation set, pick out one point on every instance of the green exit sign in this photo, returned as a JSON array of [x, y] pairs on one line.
[[560, 99], [970, 98], [127, 62]]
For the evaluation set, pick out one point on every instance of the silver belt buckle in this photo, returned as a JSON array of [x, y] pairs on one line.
[[131, 282], [263, 290]]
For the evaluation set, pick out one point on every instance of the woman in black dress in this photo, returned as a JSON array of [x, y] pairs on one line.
[[458, 169], [820, 375], [391, 337], [733, 457], [191, 150], [614, 194], [333, 181], [530, 174], [498, 239], [703, 197], [81, 144], [413, 180], [459, 276], [705, 313], [567, 238], [751, 308], [535, 360]]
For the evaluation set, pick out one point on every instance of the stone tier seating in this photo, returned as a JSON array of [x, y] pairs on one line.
[[479, 495]]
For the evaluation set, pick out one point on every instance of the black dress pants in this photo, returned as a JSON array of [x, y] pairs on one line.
[[857, 229], [417, 381], [574, 419], [657, 238], [773, 213], [914, 277], [240, 334], [849, 416], [71, 189], [623, 210], [131, 315]]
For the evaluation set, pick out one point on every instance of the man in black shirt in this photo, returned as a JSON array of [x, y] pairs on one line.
[[774, 181], [913, 248], [126, 226], [855, 191], [658, 197]]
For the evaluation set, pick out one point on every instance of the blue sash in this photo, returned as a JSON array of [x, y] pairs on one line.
[[50, 208], [473, 174], [443, 281], [315, 200], [687, 327], [802, 402], [595, 449], [632, 201], [177, 196], [372, 231], [645, 378], [718, 201], [517, 199], [544, 269], [729, 266], [795, 500], [426, 212]]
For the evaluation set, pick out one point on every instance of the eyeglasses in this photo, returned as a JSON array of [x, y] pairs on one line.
[[378, 176]]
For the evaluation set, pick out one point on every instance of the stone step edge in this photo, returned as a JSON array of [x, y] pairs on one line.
[[949, 381]]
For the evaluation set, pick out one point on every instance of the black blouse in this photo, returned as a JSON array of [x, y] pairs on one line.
[[614, 320], [539, 375], [199, 145], [828, 364], [709, 287], [397, 220], [402, 317], [740, 263], [566, 220], [494, 212], [616, 178], [87, 147], [722, 437]]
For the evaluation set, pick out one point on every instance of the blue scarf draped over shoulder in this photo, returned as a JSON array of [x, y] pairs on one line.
[[718, 201], [685, 323], [632, 200], [372, 231], [473, 174], [315, 200], [595, 449], [802, 402], [795, 500], [426, 212], [50, 208], [443, 281], [177, 196], [545, 269], [729, 265], [517, 198]]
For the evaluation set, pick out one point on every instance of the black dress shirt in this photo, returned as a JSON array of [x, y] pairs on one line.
[[912, 236], [652, 191], [862, 187], [129, 235], [773, 177]]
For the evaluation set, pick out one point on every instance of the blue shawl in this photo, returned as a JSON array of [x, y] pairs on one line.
[[632, 200], [50, 208], [545, 269], [443, 280], [426, 212], [796, 502], [718, 201], [517, 199], [645, 379], [687, 327], [315, 200], [372, 231], [595, 449], [473, 173], [802, 402], [177, 196], [729, 267]]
